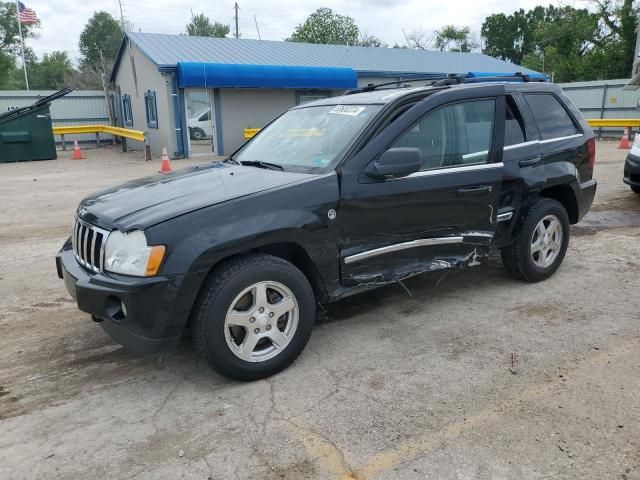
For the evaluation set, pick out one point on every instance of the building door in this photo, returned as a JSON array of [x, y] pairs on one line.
[[201, 126]]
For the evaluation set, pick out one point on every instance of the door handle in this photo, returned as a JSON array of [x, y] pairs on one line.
[[530, 161], [478, 190]]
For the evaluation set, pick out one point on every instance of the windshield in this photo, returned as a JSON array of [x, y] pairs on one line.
[[310, 138]]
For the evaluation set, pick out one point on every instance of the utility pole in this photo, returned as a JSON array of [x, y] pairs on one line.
[[235, 7], [121, 16]]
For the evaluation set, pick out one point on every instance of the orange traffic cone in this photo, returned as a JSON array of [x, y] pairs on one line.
[[165, 166], [77, 153], [624, 141]]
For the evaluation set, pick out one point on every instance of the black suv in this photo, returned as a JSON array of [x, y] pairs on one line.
[[332, 198]]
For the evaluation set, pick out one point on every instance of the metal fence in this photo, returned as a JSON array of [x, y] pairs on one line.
[[604, 99], [80, 107]]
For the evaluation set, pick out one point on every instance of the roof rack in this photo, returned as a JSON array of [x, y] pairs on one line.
[[457, 79]]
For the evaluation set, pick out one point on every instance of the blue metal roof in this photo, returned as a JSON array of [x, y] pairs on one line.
[[167, 50], [210, 75]]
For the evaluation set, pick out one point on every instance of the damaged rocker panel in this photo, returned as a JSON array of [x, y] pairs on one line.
[[423, 242]]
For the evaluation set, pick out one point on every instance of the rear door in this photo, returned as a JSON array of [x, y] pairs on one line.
[[437, 217]]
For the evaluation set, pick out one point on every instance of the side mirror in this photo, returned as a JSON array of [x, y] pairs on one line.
[[396, 162]]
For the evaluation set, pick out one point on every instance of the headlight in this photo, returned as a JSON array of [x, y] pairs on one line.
[[129, 254]]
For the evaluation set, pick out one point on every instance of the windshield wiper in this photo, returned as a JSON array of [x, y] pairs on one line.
[[231, 160], [261, 164]]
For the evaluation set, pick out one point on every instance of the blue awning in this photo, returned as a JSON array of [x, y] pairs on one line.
[[222, 75]]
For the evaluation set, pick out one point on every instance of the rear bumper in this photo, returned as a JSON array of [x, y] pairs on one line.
[[585, 197], [632, 170], [143, 314]]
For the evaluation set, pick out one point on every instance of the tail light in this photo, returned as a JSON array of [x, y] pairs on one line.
[[591, 148]]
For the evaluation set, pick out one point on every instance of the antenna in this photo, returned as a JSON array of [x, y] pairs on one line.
[[257, 29], [236, 8]]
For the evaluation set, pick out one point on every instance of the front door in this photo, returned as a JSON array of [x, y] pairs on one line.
[[440, 217]]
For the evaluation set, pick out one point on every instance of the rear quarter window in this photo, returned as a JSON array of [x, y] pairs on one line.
[[552, 118]]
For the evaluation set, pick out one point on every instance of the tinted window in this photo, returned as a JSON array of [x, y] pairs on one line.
[[457, 134], [553, 120], [514, 126]]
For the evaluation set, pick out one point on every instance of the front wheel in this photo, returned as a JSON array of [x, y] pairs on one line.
[[541, 243], [253, 317]]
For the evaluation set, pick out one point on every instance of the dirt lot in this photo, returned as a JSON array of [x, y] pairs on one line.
[[478, 376]]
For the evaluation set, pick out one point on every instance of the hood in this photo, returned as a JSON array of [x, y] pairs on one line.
[[144, 202]]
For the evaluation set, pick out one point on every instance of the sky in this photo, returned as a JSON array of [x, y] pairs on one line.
[[63, 20]]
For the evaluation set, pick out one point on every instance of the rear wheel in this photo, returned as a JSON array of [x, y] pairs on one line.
[[253, 317], [541, 243]]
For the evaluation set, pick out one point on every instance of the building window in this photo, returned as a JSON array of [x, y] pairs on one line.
[[127, 113], [304, 96], [151, 108]]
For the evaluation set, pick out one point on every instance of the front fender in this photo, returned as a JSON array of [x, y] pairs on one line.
[[297, 214]]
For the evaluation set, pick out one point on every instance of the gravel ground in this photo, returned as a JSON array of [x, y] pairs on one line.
[[478, 376]]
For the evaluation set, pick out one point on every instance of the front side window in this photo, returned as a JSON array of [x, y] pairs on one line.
[[454, 135], [309, 138], [127, 113], [151, 109], [552, 118]]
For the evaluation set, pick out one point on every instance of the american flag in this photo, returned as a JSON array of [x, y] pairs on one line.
[[26, 15]]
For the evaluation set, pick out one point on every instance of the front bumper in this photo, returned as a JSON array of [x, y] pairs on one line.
[[156, 309], [632, 170]]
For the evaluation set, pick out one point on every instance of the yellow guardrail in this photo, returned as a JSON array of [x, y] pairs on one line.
[[614, 122], [250, 132], [123, 133], [117, 131]]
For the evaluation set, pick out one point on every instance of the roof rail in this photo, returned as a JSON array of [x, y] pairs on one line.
[[457, 79]]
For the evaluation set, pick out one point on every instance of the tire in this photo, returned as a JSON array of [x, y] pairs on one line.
[[635, 189], [197, 134], [521, 259], [227, 310]]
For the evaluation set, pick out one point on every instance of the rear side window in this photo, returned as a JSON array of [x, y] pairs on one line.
[[552, 118], [514, 125]]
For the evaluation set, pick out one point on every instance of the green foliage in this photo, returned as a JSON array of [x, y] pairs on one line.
[[454, 39], [201, 26], [569, 43], [51, 72], [325, 26], [99, 42]]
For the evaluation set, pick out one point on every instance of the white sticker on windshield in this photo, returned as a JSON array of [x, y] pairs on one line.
[[351, 110]]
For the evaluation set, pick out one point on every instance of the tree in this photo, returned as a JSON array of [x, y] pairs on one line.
[[201, 26], [99, 42], [51, 72], [325, 26], [370, 40], [573, 44], [418, 40], [454, 39]]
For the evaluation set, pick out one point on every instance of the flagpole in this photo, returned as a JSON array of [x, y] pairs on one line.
[[24, 62]]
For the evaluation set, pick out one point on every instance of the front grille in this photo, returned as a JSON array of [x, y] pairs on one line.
[[88, 245]]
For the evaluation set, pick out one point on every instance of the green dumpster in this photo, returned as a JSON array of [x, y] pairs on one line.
[[26, 133]]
